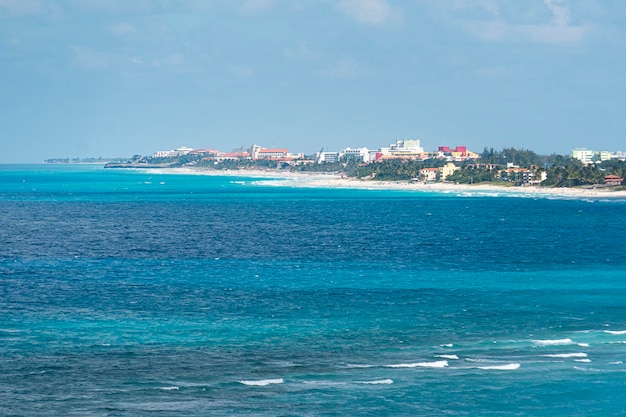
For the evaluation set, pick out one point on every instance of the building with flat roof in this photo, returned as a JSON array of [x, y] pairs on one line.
[[588, 156], [403, 149], [360, 154]]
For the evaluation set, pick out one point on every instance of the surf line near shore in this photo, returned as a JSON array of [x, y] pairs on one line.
[[333, 180]]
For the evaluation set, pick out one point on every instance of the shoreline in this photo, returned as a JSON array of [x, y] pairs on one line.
[[333, 180]]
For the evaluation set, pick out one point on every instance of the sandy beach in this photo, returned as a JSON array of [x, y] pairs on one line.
[[322, 180]]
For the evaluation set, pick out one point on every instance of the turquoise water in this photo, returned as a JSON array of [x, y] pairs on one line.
[[129, 293]]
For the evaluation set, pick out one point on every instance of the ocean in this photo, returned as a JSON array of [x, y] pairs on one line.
[[139, 293]]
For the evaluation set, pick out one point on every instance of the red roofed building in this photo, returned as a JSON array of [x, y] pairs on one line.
[[429, 174], [613, 180], [272, 153], [234, 156]]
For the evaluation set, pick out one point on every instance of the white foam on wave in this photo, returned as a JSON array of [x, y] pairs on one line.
[[377, 382], [615, 331], [583, 344], [447, 345], [324, 383], [555, 342], [447, 356], [567, 355], [358, 366], [436, 364], [475, 360], [507, 367], [173, 388], [263, 382], [582, 360]]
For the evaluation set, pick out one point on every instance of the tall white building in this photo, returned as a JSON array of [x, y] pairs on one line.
[[362, 154], [327, 157], [587, 156]]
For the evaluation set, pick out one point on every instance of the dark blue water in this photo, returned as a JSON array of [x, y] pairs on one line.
[[126, 293]]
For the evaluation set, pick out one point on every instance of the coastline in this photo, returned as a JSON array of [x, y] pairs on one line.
[[333, 180]]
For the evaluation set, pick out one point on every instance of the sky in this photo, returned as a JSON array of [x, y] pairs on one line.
[[115, 78]]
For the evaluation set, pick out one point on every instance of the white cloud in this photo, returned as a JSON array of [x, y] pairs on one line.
[[559, 10], [559, 30], [370, 12]]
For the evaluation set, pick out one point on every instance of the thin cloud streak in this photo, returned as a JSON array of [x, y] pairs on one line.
[[559, 30]]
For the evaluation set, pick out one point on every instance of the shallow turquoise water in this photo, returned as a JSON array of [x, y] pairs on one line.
[[138, 293]]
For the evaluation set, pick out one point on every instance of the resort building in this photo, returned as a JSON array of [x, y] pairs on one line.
[[183, 150], [360, 154], [205, 152], [258, 152], [403, 149], [460, 153], [588, 156], [613, 180], [233, 156], [327, 157], [447, 170], [429, 174]]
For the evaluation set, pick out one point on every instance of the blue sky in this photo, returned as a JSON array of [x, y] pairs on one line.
[[122, 77]]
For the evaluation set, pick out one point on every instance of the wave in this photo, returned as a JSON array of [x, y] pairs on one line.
[[263, 382], [507, 367], [377, 382], [615, 331], [436, 364], [567, 355], [583, 360], [447, 356], [173, 388], [325, 383], [359, 366], [555, 342]]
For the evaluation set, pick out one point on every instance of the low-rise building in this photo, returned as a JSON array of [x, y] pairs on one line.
[[402, 149], [613, 180], [258, 152], [183, 150], [429, 174], [460, 153]]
